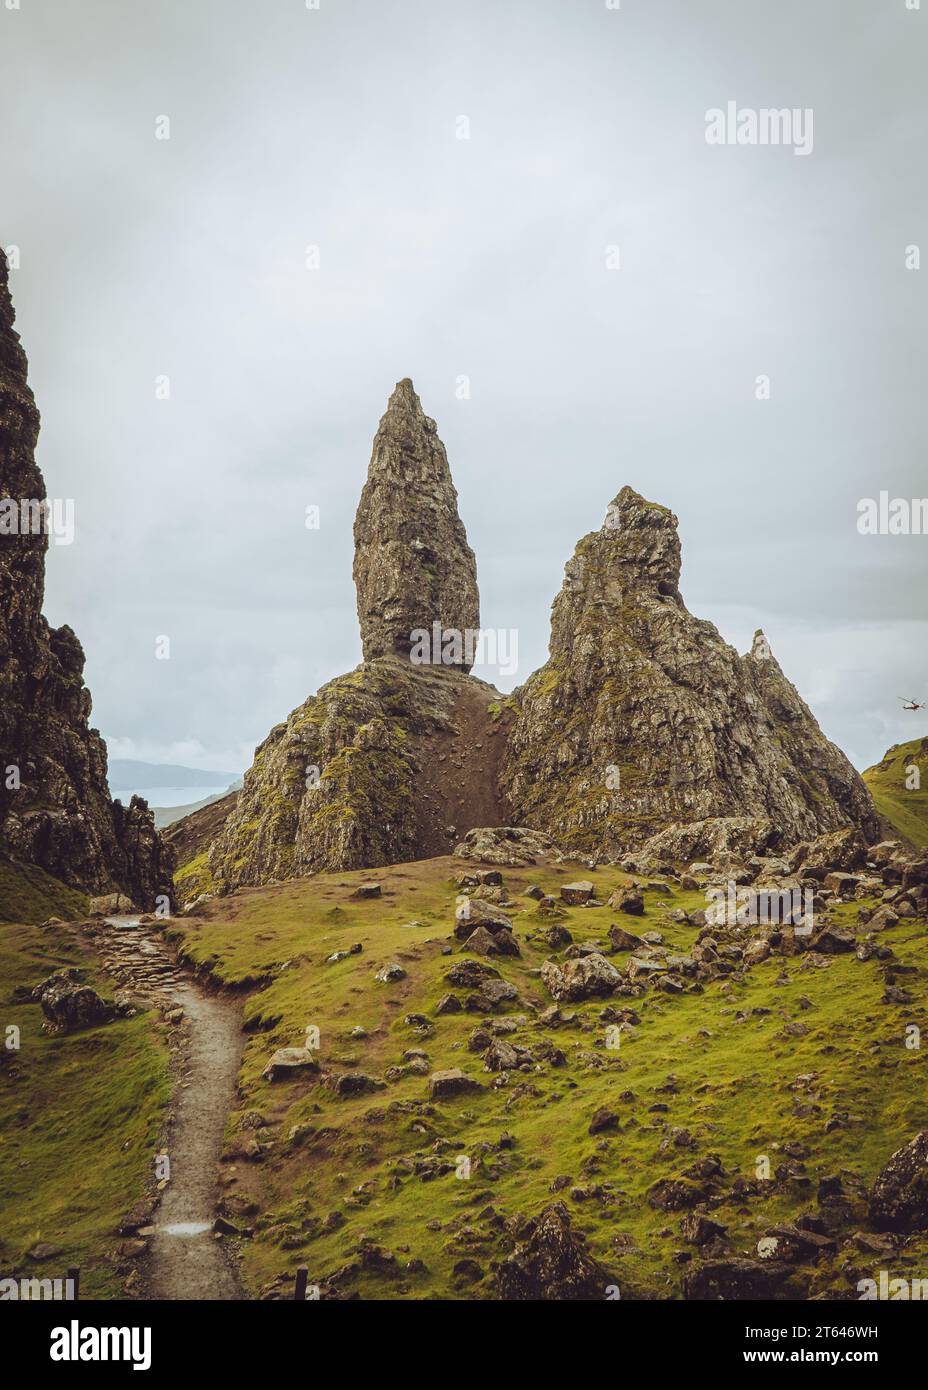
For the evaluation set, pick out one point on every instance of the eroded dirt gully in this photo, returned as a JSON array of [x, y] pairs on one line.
[[185, 1259]]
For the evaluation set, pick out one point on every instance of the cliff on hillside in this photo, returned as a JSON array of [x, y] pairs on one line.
[[55, 808]]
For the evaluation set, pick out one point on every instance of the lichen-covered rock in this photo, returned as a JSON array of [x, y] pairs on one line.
[[840, 849], [60, 816], [712, 838], [471, 913], [69, 1005], [412, 564], [290, 1061], [899, 1200], [514, 846], [451, 1082], [741, 1279], [587, 977], [643, 716], [551, 1263]]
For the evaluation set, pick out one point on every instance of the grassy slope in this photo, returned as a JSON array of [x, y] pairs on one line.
[[80, 1115], [735, 1088], [906, 811], [29, 894]]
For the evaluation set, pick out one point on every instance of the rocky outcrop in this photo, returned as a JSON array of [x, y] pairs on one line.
[[644, 717], [413, 567], [390, 763], [55, 808], [400, 758], [642, 720], [550, 1262]]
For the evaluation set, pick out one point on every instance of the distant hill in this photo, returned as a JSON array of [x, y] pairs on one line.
[[905, 809], [169, 815], [125, 774], [190, 837]]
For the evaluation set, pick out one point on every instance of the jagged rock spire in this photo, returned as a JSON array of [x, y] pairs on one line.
[[644, 716], [412, 564], [55, 808], [22, 556]]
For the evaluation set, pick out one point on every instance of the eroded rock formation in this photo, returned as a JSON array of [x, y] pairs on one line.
[[389, 763], [55, 808], [413, 567], [643, 716], [399, 758]]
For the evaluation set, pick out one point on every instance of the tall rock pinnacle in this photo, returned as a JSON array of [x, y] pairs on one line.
[[412, 564], [55, 808]]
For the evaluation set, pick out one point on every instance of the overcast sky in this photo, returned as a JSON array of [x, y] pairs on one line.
[[485, 257]]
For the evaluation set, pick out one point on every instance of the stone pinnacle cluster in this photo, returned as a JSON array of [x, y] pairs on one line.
[[55, 808], [643, 718]]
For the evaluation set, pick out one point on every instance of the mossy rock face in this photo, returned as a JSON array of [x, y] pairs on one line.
[[643, 716], [390, 762], [899, 787]]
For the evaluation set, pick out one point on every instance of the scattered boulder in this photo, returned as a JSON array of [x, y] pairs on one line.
[[472, 913], [739, 1279], [699, 1229], [506, 1056], [504, 845], [556, 937], [838, 849], [484, 943], [288, 1062], [367, 890], [69, 1005], [390, 973], [587, 977], [576, 894], [833, 941], [112, 905], [899, 1200], [470, 974], [627, 900], [452, 1082], [624, 940]]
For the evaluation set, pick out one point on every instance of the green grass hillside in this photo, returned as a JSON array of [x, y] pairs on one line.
[[29, 894], [906, 808], [80, 1115], [330, 1179]]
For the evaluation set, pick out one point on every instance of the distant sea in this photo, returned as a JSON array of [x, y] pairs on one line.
[[168, 796]]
